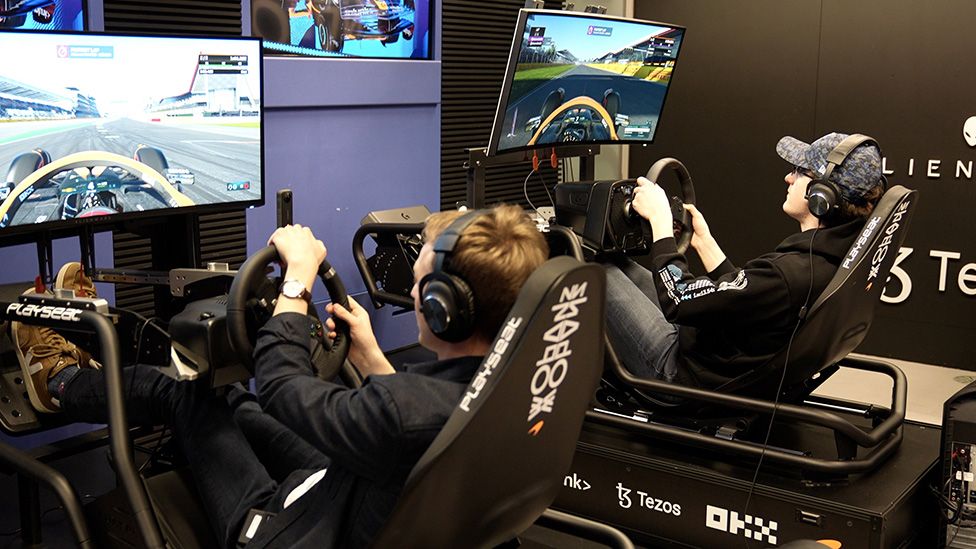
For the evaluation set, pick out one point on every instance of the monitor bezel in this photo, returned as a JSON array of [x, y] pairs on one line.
[[16, 233], [496, 127]]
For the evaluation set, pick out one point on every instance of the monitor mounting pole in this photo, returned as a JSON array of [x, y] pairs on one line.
[[87, 240], [45, 258], [478, 162]]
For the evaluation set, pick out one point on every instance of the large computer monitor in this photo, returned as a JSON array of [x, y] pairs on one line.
[[392, 29], [579, 78], [101, 127], [45, 15]]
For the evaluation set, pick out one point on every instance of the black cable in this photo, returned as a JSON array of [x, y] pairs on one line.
[[779, 388], [546, 187]]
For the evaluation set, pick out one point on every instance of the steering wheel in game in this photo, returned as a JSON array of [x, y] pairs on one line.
[[250, 303], [681, 215]]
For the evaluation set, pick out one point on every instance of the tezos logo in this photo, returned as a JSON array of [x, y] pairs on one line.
[[749, 526], [552, 367], [969, 131]]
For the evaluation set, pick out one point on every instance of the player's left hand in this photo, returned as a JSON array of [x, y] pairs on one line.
[[300, 252]]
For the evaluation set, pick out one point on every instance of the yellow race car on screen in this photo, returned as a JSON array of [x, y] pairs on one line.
[[85, 184]]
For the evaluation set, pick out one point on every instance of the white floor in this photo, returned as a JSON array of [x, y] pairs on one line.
[[928, 388]]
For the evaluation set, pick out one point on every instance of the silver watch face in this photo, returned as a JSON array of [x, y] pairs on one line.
[[293, 289]]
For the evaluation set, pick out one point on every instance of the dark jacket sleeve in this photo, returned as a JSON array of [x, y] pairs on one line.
[[756, 293], [357, 428], [725, 267]]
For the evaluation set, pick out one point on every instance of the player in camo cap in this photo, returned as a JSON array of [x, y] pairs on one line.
[[856, 177]]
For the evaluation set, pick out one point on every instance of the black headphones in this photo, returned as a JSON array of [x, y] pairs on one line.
[[823, 196], [446, 299]]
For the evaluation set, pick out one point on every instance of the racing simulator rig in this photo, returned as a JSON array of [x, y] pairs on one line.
[[672, 464], [206, 326]]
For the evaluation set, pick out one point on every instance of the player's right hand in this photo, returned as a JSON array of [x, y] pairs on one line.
[[363, 345]]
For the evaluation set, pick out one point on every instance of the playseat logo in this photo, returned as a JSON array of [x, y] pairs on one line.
[[749, 526], [493, 360], [30, 310], [551, 369], [861, 241], [882, 250]]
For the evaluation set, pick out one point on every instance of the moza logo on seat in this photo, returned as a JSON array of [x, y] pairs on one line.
[[493, 360], [29, 310], [550, 370], [731, 522]]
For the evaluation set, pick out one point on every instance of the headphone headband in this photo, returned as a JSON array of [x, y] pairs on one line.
[[842, 150], [447, 301], [445, 242], [823, 196]]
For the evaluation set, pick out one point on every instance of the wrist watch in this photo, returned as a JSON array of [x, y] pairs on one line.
[[295, 289]]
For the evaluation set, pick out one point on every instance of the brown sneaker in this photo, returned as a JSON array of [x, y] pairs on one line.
[[72, 277], [42, 353]]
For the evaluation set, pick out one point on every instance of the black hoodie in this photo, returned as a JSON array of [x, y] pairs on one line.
[[736, 319]]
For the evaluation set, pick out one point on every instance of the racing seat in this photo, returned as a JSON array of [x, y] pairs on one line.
[[501, 457], [834, 326]]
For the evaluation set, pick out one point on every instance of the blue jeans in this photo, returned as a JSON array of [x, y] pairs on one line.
[[643, 338], [241, 458]]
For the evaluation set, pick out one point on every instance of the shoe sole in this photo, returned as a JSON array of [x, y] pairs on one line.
[[35, 400]]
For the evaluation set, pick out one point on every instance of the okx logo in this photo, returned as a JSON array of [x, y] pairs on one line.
[[749, 526]]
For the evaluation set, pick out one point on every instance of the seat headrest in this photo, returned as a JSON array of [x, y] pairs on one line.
[[500, 458]]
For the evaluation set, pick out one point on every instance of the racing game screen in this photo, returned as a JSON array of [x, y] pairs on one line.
[[398, 29], [44, 15], [98, 125], [583, 78]]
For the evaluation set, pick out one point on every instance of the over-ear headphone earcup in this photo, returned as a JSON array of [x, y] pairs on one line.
[[822, 199], [447, 304]]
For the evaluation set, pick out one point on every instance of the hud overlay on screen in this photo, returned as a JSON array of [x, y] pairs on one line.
[[96, 125], [584, 79], [343, 28], [42, 14]]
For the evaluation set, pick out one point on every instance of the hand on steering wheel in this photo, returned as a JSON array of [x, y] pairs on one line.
[[250, 296], [684, 223]]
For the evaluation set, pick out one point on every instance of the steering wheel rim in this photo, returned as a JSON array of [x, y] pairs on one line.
[[246, 282], [687, 195]]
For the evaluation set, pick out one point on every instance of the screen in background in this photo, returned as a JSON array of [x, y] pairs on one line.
[[44, 15], [100, 125], [344, 28], [581, 78]]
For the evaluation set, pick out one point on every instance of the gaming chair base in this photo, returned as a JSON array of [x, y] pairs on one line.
[[661, 494]]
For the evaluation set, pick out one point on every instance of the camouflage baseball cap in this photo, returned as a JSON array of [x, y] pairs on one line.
[[859, 173]]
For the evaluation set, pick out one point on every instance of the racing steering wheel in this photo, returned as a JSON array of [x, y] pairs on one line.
[[683, 239], [251, 296]]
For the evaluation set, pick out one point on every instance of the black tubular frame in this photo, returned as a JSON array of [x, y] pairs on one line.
[[40, 473], [119, 443], [584, 528], [883, 439], [380, 297]]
